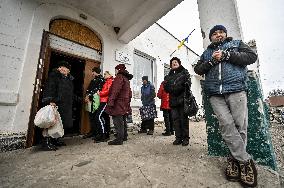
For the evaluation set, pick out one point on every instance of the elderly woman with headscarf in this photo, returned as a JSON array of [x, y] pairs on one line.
[[118, 105]]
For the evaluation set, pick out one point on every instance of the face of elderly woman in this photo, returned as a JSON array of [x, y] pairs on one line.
[[175, 64], [64, 70]]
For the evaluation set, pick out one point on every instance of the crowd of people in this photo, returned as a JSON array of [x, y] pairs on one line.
[[224, 65]]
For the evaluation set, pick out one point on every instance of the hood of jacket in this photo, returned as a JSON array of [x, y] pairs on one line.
[[126, 74]]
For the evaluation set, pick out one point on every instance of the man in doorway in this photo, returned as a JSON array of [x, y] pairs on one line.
[[94, 88], [58, 91], [224, 64]]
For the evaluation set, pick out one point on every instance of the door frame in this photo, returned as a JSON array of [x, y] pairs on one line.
[[41, 76]]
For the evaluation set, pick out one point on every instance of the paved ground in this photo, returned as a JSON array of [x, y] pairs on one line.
[[143, 161]]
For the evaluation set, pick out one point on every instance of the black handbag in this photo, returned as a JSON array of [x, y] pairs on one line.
[[190, 105]]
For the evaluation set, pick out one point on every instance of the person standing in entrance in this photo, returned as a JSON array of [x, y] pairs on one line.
[[58, 91], [224, 64], [118, 105], [174, 84], [94, 88], [165, 107]]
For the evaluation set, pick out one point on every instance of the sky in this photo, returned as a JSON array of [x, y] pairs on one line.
[[262, 20]]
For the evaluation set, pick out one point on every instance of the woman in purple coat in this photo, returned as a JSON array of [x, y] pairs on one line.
[[118, 105]]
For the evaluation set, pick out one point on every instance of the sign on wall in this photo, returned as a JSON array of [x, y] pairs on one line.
[[122, 57]]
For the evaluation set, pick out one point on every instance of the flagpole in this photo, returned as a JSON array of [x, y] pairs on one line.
[[173, 53], [182, 40]]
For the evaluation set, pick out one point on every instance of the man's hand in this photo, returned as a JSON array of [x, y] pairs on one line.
[[217, 55], [87, 99]]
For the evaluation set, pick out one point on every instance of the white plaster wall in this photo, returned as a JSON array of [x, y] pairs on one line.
[[21, 35], [26, 25], [216, 12], [15, 19]]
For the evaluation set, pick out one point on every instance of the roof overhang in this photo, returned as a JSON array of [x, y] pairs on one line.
[[130, 17]]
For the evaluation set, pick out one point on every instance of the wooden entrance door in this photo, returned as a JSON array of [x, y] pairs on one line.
[[41, 75], [85, 123]]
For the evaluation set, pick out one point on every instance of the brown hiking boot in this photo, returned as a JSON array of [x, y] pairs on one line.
[[248, 173], [233, 172]]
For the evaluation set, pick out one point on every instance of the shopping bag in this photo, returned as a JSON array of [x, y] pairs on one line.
[[88, 106], [57, 130], [96, 102], [45, 117], [148, 112]]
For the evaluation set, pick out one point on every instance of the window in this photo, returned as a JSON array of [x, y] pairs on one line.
[[143, 66]]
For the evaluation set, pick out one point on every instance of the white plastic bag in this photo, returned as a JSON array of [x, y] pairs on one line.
[[45, 117], [88, 106], [57, 130]]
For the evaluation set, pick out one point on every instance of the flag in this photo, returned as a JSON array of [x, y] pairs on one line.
[[181, 44], [184, 40]]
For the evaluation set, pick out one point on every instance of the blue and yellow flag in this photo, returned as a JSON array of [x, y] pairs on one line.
[[184, 40]]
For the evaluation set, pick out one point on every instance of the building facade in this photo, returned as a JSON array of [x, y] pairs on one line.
[[37, 34]]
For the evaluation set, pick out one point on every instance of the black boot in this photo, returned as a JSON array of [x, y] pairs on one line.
[[58, 142], [47, 144], [142, 131], [101, 138], [177, 142], [185, 142], [115, 142], [166, 134]]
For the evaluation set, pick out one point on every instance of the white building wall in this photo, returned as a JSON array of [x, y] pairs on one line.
[[22, 24], [219, 12], [159, 44], [15, 21]]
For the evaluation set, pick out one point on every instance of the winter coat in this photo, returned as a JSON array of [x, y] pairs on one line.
[[95, 85], [148, 94], [120, 95], [230, 75], [175, 85], [105, 90], [164, 96], [59, 89]]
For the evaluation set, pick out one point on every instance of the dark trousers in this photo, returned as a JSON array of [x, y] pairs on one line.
[[120, 126], [101, 121], [181, 123], [147, 124], [168, 120], [107, 123], [94, 127]]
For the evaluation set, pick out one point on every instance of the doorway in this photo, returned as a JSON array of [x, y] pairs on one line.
[[77, 71]]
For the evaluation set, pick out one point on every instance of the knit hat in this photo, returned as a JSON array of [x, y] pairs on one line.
[[145, 78], [64, 64], [175, 58], [97, 70], [120, 67], [215, 28]]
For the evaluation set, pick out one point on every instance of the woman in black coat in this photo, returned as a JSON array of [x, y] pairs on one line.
[[175, 83], [58, 91]]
